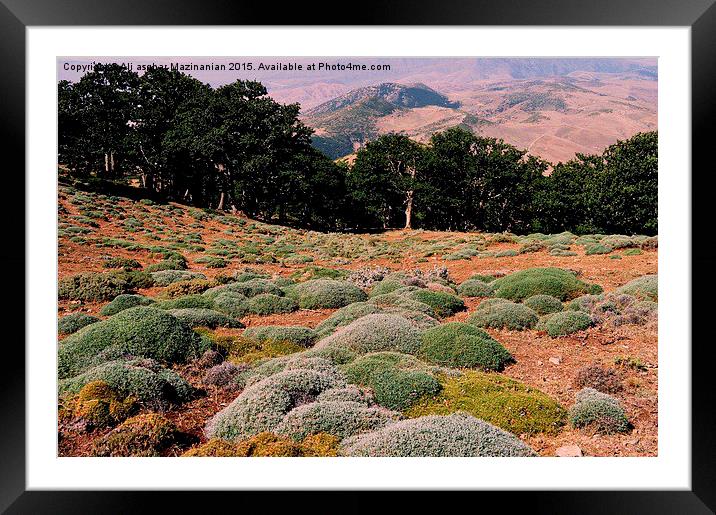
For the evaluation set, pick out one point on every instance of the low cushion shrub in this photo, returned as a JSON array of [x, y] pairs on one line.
[[444, 304], [605, 380], [182, 288], [231, 303], [556, 282], [475, 288], [269, 304], [144, 435], [564, 323], [599, 411], [185, 302], [373, 333], [92, 287], [124, 301], [101, 406], [141, 331], [458, 434], [167, 277], [543, 304], [597, 248], [325, 293], [122, 262], [505, 315], [456, 344], [345, 316], [644, 288], [268, 444], [253, 287], [202, 317], [73, 322], [499, 400]]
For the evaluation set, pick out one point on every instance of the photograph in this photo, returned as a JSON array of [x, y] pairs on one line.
[[357, 256]]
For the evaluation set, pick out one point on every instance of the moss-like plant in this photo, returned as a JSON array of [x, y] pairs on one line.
[[499, 400], [144, 435], [301, 336], [101, 406], [268, 444], [456, 344]]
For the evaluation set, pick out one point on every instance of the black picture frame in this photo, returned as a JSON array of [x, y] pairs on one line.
[[700, 15]]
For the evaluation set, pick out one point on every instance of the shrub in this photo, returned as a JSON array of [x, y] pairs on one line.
[[584, 302], [482, 277], [302, 336], [121, 262], [600, 411], [444, 304], [386, 286], [186, 302], [562, 253], [597, 248], [456, 344], [144, 435], [338, 418], [441, 436], [124, 301], [231, 303], [605, 380], [249, 350], [167, 264], [202, 317], [182, 288], [395, 301], [556, 282], [318, 272], [269, 304], [253, 287], [73, 322], [373, 333], [350, 393], [499, 400], [101, 406], [506, 253], [644, 288], [543, 304], [167, 277], [325, 293], [140, 331], [397, 380], [475, 288], [268, 444], [564, 323], [505, 315], [143, 379], [618, 309], [632, 252], [221, 375], [345, 316], [366, 276], [92, 287], [262, 405]]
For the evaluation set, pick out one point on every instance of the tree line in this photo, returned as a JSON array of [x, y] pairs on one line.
[[234, 147]]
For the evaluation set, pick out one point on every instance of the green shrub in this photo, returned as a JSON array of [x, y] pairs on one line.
[[584, 302], [253, 287], [338, 418], [302, 336], [600, 411], [506, 253], [475, 288], [263, 404], [556, 282], [202, 317], [456, 344], [124, 301], [350, 393], [644, 288], [325, 293], [231, 303], [440, 436], [140, 331], [499, 400], [345, 316], [543, 304], [167, 277], [167, 264], [211, 262], [269, 304], [597, 248], [182, 288], [92, 287], [562, 253], [121, 262], [386, 286], [482, 277], [373, 333], [144, 379], [319, 272], [186, 302], [101, 406], [397, 380], [505, 315], [633, 252], [394, 301], [564, 323], [73, 322], [144, 435], [444, 304]]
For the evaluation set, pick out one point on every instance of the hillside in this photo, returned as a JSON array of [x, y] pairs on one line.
[[552, 117]]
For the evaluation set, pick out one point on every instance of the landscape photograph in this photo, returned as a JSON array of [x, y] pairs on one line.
[[357, 257]]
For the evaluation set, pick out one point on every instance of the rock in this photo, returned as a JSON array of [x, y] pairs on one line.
[[568, 451], [539, 362], [555, 361]]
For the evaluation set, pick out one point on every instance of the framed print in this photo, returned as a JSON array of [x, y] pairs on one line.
[[451, 251]]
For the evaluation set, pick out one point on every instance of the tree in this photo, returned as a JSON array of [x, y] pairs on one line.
[[385, 175]]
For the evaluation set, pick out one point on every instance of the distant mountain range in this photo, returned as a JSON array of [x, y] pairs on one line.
[[552, 108]]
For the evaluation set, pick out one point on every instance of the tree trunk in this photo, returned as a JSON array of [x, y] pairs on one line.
[[409, 210], [220, 207], [111, 162], [106, 164]]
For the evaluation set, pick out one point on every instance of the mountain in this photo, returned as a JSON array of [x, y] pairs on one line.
[[552, 108], [346, 122]]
